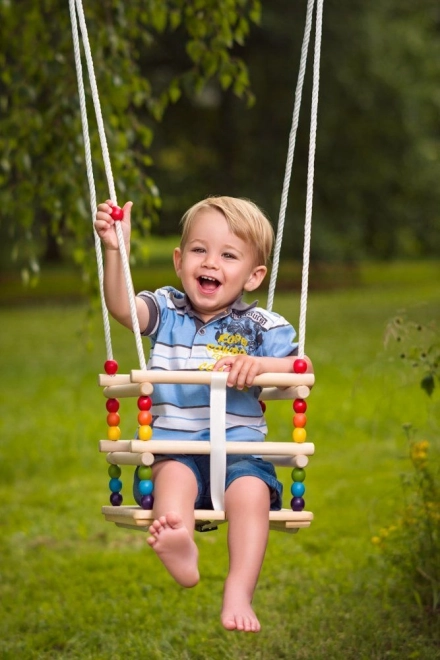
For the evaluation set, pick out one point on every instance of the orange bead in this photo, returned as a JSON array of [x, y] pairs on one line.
[[145, 432], [145, 418], [113, 419], [299, 435], [299, 420], [113, 433]]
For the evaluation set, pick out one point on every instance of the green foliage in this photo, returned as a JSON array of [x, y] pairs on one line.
[[42, 171], [420, 348], [411, 545]]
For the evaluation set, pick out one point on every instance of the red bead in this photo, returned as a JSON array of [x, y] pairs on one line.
[[300, 366], [299, 406], [112, 405], [111, 367], [263, 406], [144, 403], [117, 213]]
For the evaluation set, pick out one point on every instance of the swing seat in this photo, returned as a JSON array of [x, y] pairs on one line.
[[134, 517], [142, 452]]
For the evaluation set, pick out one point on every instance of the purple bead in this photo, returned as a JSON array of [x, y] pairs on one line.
[[297, 503], [116, 499], [147, 502]]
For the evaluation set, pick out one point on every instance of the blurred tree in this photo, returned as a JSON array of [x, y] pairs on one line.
[[42, 172], [377, 159]]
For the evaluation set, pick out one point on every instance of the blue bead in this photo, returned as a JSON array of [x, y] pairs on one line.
[[297, 489], [115, 485], [145, 487]]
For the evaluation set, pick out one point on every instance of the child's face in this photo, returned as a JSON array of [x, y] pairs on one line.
[[215, 266]]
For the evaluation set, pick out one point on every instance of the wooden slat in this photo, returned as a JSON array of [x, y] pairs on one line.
[[204, 378], [204, 447]]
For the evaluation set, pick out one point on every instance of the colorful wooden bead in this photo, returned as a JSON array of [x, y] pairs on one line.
[[113, 419], [144, 403], [297, 489], [145, 432], [117, 213], [145, 418], [297, 503], [113, 433], [111, 367], [299, 406], [298, 474], [114, 471], [147, 502], [299, 435], [299, 420], [145, 487], [112, 405], [115, 485], [300, 366], [116, 499], [144, 472]]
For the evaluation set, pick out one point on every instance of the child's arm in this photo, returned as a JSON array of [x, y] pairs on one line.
[[115, 289], [243, 368]]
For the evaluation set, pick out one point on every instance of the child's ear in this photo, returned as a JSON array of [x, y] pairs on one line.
[[255, 278], [177, 259]]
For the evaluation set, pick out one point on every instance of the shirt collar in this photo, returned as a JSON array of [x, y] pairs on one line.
[[181, 301]]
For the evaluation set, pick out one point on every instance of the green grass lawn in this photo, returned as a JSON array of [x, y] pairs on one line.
[[73, 586]]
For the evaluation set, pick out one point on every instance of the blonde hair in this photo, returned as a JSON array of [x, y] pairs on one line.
[[244, 219]]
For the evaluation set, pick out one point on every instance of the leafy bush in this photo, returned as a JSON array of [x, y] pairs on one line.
[[411, 545]]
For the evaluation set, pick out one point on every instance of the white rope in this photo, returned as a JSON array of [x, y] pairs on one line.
[[310, 173], [90, 178], [310, 179], [290, 154], [109, 175]]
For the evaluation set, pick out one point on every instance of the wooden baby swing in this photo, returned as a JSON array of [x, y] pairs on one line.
[[140, 383]]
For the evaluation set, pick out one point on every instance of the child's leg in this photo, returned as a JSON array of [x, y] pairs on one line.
[[247, 504], [172, 532]]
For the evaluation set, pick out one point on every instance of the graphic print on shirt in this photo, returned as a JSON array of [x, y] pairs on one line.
[[235, 336]]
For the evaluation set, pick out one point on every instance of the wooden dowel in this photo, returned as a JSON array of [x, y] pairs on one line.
[[114, 445], [123, 391], [104, 380], [288, 461], [289, 393], [204, 378], [128, 458], [204, 447]]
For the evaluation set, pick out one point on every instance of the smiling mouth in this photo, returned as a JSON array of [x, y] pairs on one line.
[[208, 284]]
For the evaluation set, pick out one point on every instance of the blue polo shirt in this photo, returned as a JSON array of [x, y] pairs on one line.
[[182, 341]]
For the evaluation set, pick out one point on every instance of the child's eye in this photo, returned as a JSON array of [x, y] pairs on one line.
[[198, 249], [228, 255]]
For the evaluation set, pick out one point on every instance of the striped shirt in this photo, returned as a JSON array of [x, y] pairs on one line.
[[180, 340]]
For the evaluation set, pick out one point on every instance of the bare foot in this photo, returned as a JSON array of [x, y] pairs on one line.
[[174, 546], [237, 612]]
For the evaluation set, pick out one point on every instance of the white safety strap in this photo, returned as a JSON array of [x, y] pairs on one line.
[[218, 439]]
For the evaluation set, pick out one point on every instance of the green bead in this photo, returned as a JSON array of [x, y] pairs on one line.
[[144, 472], [114, 471], [298, 474]]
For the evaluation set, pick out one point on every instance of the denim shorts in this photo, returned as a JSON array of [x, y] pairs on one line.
[[237, 465]]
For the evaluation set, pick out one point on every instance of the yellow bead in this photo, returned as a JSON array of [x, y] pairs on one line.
[[299, 435], [113, 433], [145, 432]]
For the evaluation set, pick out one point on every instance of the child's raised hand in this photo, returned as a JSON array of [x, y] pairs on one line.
[[105, 225], [242, 369]]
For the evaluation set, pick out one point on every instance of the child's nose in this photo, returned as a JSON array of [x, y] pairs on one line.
[[210, 261]]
